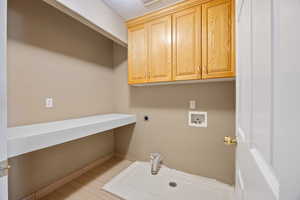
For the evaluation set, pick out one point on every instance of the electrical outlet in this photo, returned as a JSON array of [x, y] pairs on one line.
[[49, 102]]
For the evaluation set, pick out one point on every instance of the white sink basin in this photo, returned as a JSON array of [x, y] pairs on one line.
[[137, 183]]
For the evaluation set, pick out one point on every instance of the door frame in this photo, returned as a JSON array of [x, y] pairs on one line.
[[3, 95]]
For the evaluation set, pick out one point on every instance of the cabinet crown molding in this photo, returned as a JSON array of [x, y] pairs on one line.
[[164, 11]]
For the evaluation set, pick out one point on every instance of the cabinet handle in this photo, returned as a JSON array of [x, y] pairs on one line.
[[200, 71], [4, 167]]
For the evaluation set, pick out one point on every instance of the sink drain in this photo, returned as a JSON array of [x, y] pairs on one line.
[[172, 184]]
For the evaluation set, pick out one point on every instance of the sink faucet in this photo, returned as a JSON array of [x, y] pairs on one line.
[[155, 160]]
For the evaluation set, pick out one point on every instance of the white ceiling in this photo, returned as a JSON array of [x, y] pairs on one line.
[[129, 9]]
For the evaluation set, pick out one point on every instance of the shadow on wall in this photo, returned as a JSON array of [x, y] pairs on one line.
[[49, 30], [207, 96], [126, 137], [52, 55], [210, 96], [120, 57], [35, 170]]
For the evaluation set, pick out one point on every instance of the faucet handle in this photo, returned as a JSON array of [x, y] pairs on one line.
[[155, 156]]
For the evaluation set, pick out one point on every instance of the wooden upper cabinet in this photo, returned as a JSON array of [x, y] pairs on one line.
[[191, 40], [137, 54], [218, 39], [160, 50], [186, 44]]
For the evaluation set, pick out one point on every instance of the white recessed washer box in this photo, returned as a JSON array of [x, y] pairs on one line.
[[198, 119]]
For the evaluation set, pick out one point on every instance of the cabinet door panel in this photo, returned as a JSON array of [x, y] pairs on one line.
[[186, 44], [137, 55], [217, 36], [160, 52]]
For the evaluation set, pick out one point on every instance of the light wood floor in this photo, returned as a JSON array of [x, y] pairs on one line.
[[89, 185]]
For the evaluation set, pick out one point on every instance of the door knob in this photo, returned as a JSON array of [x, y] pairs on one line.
[[229, 141]]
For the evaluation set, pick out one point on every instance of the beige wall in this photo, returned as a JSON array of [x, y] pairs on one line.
[[97, 15], [52, 55], [195, 150]]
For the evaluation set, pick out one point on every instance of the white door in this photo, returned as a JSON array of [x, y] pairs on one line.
[[3, 116], [255, 175]]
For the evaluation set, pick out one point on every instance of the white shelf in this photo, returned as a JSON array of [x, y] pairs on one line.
[[24, 139]]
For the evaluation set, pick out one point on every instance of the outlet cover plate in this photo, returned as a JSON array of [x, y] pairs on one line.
[[49, 102]]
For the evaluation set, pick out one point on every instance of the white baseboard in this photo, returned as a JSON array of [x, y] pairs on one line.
[[126, 157], [30, 197]]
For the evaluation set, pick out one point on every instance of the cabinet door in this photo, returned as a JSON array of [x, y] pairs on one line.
[[186, 44], [159, 48], [137, 55], [218, 39]]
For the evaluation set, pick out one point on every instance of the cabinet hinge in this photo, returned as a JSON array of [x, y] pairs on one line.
[[4, 167]]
